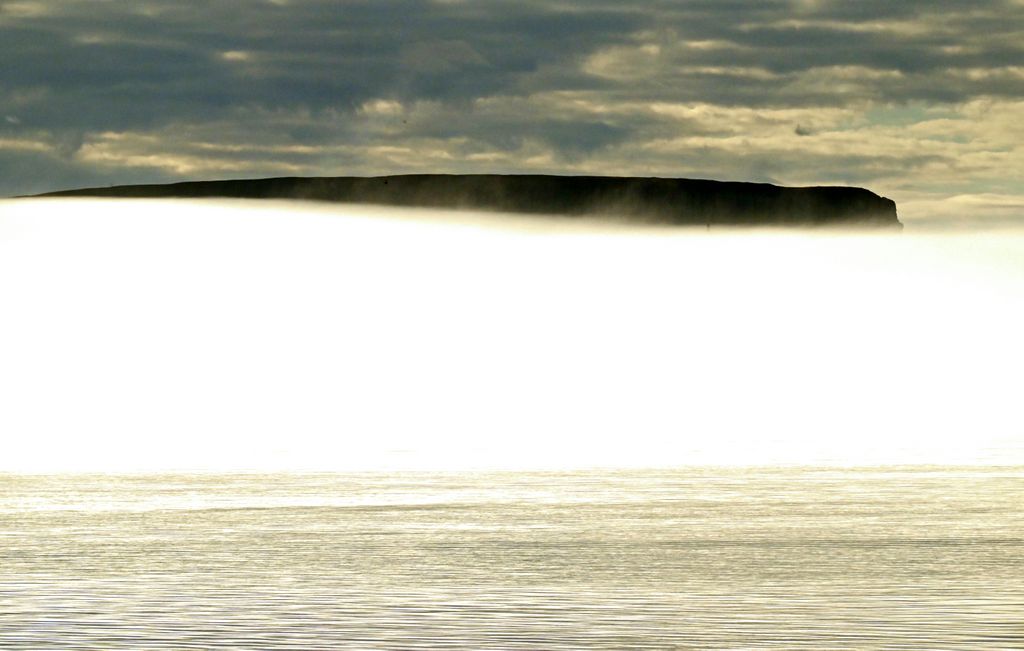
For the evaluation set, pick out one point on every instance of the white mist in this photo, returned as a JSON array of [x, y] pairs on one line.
[[146, 335]]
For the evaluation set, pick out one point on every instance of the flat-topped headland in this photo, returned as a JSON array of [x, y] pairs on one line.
[[646, 200]]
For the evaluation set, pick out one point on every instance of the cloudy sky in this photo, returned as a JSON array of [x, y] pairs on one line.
[[920, 101]]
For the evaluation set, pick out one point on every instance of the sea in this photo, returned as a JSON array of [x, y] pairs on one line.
[[912, 557]]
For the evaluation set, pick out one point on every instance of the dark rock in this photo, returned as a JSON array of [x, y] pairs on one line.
[[647, 200]]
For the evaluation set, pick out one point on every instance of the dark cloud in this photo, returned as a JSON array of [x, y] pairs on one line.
[[170, 89], [29, 172]]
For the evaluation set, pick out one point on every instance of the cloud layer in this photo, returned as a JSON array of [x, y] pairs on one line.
[[919, 101]]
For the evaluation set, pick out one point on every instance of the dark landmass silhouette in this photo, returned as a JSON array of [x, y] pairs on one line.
[[645, 200]]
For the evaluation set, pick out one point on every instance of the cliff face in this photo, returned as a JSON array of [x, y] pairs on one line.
[[649, 200]]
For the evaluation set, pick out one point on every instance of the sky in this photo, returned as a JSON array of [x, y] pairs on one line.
[[918, 101]]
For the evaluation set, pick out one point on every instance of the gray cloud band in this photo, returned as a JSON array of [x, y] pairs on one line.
[[914, 96]]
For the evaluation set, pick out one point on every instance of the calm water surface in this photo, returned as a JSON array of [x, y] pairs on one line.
[[896, 558]]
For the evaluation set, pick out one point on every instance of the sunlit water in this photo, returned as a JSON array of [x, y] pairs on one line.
[[882, 558]]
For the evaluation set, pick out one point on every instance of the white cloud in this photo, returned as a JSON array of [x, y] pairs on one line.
[[236, 55]]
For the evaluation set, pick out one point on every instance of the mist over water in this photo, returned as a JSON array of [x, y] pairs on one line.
[[142, 340], [155, 335]]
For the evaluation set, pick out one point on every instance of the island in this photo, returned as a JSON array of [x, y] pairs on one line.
[[671, 201]]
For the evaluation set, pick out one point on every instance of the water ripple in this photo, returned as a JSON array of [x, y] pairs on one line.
[[799, 559]]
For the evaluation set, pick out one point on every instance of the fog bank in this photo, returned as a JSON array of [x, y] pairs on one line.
[[149, 335]]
